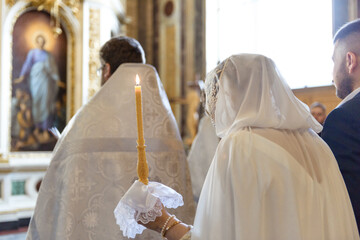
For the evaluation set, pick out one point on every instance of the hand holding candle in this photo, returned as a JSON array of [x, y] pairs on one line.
[[142, 166]]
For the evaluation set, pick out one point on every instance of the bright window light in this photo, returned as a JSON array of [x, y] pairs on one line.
[[297, 35]]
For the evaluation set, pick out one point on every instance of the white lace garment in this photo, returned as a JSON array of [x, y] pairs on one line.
[[94, 161], [143, 203]]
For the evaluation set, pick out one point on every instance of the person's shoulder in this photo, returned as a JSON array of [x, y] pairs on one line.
[[336, 116], [352, 105], [350, 109], [336, 112], [346, 116]]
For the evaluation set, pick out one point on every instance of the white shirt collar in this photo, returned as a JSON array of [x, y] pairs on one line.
[[349, 97]]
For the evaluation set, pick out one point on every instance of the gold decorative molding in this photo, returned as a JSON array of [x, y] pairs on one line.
[[72, 80], [17, 210], [170, 61], [53, 7], [10, 2], [17, 15], [94, 45], [3, 160], [74, 5], [171, 85]]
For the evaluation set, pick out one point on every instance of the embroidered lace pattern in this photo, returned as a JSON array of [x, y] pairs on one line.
[[143, 203], [212, 89]]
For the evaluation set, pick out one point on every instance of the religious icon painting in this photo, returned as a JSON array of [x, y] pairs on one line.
[[38, 100]]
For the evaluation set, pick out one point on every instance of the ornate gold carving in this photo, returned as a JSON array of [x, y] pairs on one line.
[[47, 4], [171, 86], [170, 67], [53, 7], [74, 5], [94, 45], [10, 2], [72, 79]]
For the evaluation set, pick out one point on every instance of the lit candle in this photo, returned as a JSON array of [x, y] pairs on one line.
[[142, 166]]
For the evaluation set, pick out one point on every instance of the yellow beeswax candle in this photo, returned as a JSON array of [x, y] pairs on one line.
[[142, 166]]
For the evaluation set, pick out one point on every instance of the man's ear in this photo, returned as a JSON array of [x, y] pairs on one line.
[[107, 71], [352, 62]]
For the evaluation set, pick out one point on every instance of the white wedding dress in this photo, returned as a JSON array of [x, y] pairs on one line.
[[272, 177]]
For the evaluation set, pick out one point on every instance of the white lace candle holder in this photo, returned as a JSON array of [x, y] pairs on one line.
[[144, 203]]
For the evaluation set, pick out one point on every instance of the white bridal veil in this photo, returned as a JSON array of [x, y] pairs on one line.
[[272, 177], [94, 162], [253, 93]]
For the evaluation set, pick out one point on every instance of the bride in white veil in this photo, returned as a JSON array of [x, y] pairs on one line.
[[272, 177]]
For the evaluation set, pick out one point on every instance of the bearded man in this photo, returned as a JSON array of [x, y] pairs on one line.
[[342, 127]]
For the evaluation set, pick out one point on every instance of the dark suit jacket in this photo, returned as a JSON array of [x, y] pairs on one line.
[[342, 133]]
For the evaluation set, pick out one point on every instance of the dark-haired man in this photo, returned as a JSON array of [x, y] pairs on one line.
[[117, 51], [342, 126]]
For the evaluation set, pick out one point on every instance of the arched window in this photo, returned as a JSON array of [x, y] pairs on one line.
[[297, 35]]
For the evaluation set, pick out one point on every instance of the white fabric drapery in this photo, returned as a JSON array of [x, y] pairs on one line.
[[272, 177], [201, 154], [94, 161], [253, 93]]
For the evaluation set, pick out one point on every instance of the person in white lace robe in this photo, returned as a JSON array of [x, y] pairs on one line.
[[272, 176], [94, 161], [201, 154]]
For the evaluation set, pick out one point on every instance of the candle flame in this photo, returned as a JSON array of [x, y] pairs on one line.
[[137, 79]]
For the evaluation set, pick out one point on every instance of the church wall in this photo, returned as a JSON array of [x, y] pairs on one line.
[[173, 37], [169, 51], [343, 11], [340, 13], [155, 30], [325, 95], [131, 27]]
